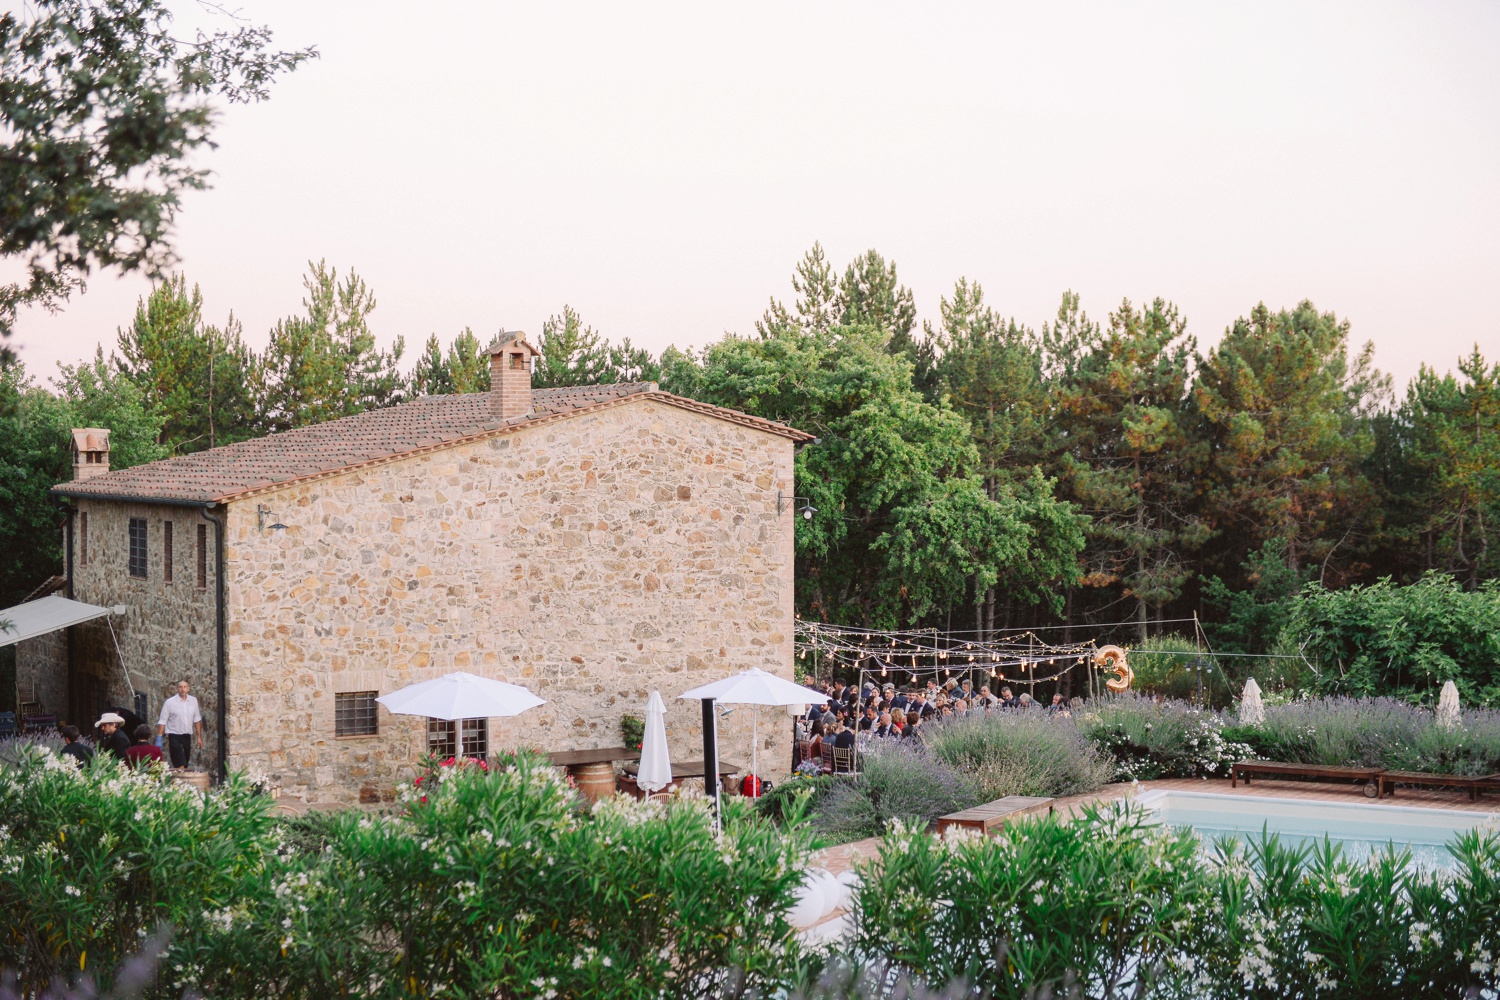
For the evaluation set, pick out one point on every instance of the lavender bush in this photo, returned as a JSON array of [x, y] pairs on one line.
[[897, 781], [1020, 753], [1374, 732], [1159, 739]]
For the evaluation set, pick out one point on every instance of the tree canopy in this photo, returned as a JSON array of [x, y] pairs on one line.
[[103, 109]]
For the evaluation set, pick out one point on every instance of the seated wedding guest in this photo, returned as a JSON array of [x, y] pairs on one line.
[[927, 711], [900, 702], [1057, 706], [844, 738], [960, 707], [1025, 701], [1007, 700], [966, 691], [870, 719], [882, 728], [815, 747], [986, 699], [913, 723]]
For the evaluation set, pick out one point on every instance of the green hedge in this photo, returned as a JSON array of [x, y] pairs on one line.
[[501, 884]]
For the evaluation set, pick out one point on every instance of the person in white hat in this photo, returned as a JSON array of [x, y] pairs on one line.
[[111, 739]]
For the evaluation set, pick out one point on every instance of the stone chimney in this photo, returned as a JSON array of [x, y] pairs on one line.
[[90, 452], [510, 375]]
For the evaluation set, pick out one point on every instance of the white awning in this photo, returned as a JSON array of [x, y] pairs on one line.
[[34, 618]]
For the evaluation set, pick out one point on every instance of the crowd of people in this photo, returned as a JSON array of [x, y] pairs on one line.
[[854, 713]]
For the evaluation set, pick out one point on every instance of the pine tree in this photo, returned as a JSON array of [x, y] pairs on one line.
[[1285, 412], [325, 365], [464, 368], [572, 353], [1127, 453], [195, 379]]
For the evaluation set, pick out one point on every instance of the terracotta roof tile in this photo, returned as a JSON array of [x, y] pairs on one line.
[[365, 438]]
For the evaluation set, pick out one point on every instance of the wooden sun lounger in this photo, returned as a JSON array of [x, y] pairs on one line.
[[993, 814], [1471, 784], [1369, 777]]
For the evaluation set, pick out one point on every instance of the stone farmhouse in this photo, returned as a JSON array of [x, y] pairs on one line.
[[592, 544]]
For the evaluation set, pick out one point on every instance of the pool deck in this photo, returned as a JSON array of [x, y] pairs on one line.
[[846, 856]]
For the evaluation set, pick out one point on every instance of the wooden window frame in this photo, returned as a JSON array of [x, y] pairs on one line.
[[166, 551]]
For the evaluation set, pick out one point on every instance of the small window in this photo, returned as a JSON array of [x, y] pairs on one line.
[[202, 555], [138, 547], [517, 361], [440, 741], [354, 713], [166, 551], [83, 539]]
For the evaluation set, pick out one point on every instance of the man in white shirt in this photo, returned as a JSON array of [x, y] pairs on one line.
[[181, 721]]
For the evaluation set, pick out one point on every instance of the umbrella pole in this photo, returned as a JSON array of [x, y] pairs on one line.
[[458, 742], [755, 747], [711, 755]]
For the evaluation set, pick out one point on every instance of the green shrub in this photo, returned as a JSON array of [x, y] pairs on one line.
[[897, 782], [1019, 753], [1158, 739], [1162, 668], [1386, 639], [1040, 909], [91, 861], [1112, 905]]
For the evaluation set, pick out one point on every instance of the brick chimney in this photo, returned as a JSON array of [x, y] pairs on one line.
[[510, 375], [90, 452]]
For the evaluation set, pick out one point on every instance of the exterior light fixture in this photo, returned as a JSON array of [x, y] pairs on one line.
[[783, 502], [261, 513]]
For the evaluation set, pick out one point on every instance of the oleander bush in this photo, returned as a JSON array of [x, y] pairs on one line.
[[487, 883], [1019, 753], [1149, 739], [1112, 905]]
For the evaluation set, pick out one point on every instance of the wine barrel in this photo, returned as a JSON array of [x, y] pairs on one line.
[[595, 781], [193, 779]]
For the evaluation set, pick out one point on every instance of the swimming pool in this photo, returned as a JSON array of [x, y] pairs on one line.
[[1358, 827]]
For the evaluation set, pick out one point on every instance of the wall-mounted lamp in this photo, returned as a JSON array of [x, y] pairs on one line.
[[261, 513], [784, 503]]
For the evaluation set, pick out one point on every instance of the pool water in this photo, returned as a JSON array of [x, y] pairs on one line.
[[1358, 828]]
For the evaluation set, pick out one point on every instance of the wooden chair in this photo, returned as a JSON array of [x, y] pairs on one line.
[[827, 757], [804, 751], [843, 760]]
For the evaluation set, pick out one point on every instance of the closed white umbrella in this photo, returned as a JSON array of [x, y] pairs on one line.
[[756, 687], [457, 696], [656, 764], [1447, 706], [1252, 711]]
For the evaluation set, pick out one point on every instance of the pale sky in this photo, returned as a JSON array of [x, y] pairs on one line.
[[662, 167]]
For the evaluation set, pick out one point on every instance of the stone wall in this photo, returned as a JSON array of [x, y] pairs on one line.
[[591, 559], [167, 632]]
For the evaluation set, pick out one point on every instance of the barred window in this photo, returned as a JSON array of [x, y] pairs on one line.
[[203, 555], [138, 547], [166, 551], [354, 713], [83, 539], [440, 738]]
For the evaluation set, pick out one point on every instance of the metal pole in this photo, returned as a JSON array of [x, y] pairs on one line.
[[711, 755]]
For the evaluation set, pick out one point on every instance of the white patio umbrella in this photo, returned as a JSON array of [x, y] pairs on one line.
[[656, 764], [1447, 706], [456, 696], [1252, 711], [756, 687]]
